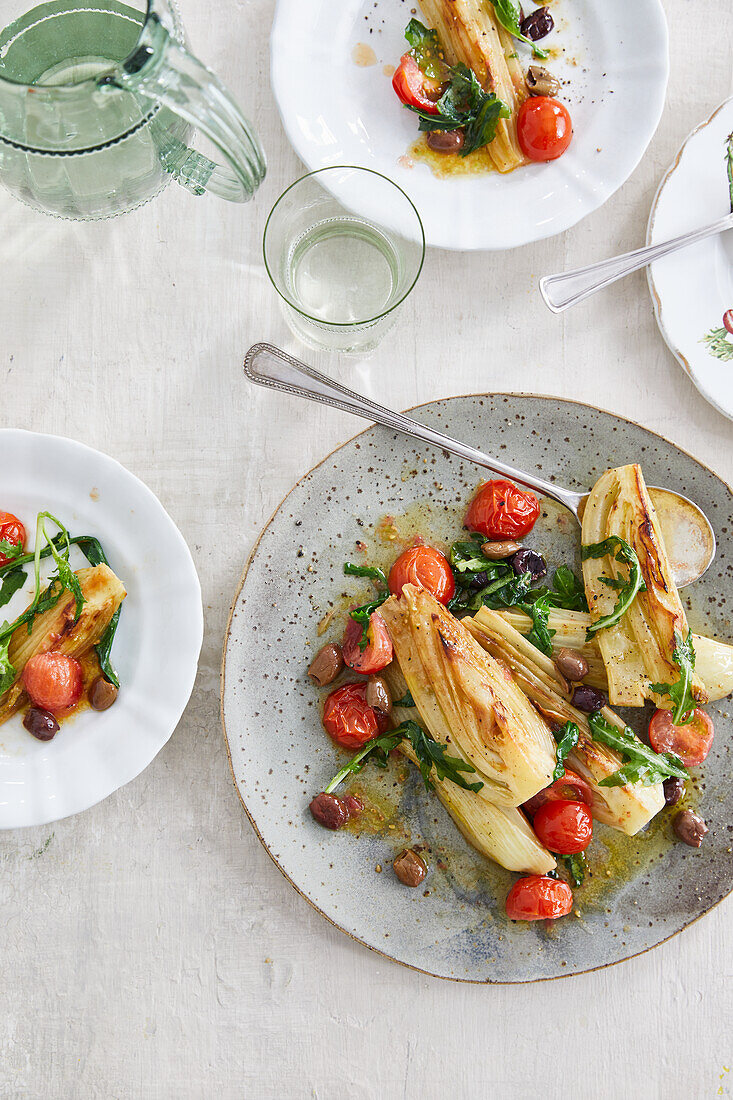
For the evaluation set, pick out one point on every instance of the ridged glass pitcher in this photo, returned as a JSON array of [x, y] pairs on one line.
[[97, 106]]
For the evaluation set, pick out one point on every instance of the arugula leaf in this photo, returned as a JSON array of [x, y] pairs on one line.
[[377, 750], [569, 592], [576, 866], [539, 611], [681, 693], [566, 738], [620, 550], [426, 49], [371, 571], [12, 583], [643, 764], [7, 672], [405, 701], [363, 614], [508, 12], [429, 752]]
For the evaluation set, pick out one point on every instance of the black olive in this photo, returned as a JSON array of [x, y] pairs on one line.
[[41, 723], [529, 561], [478, 580], [673, 790], [588, 699], [537, 24]]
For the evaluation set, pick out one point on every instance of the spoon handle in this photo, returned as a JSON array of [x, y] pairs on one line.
[[570, 287], [268, 366]]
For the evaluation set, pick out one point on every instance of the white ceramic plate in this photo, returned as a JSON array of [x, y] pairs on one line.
[[157, 643], [336, 112], [692, 289]]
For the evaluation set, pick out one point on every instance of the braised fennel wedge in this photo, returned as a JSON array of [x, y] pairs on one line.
[[467, 701], [628, 807], [635, 609]]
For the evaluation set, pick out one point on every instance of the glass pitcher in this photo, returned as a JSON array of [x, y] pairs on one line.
[[98, 102]]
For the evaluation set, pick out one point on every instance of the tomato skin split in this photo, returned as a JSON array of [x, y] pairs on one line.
[[500, 510], [539, 897], [425, 567], [691, 742]]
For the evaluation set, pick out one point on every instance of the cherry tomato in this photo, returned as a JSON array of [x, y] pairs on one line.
[[544, 128], [53, 681], [564, 827], [538, 897], [413, 87], [690, 742], [571, 788], [12, 531], [378, 651], [348, 718], [728, 321], [502, 511], [425, 567]]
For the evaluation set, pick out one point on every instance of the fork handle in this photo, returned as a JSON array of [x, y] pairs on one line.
[[266, 365], [570, 287]]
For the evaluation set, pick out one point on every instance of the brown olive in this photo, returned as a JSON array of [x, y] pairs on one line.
[[497, 551], [326, 664], [409, 867], [571, 664], [377, 694], [40, 723], [690, 828], [102, 694], [540, 81], [673, 790], [445, 141], [330, 811]]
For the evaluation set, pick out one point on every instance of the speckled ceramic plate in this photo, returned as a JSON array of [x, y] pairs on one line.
[[612, 59], [693, 289], [643, 889]]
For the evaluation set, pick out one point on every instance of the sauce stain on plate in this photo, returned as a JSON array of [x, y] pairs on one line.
[[363, 55]]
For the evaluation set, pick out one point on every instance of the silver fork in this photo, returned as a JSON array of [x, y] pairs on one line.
[[570, 287]]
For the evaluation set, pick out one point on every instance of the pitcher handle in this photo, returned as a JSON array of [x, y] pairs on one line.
[[162, 70]]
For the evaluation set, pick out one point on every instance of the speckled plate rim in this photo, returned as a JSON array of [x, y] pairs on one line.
[[656, 300], [222, 686]]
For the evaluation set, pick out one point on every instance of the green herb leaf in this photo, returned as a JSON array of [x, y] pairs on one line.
[[566, 738], [680, 693], [12, 582], [465, 105], [377, 575], [362, 615], [620, 550], [10, 550], [405, 701], [576, 866], [569, 592], [508, 13], [432, 754], [643, 764], [426, 50], [539, 611], [377, 751]]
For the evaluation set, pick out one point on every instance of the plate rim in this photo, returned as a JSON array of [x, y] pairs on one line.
[[222, 687], [604, 194], [190, 681], [654, 293]]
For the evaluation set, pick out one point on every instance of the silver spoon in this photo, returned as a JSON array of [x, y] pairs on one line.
[[688, 535], [570, 287]]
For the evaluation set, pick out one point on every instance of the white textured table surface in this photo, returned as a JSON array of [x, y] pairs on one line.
[[149, 947]]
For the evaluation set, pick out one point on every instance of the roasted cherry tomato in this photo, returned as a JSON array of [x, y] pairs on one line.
[[12, 531], [53, 681], [564, 827], [502, 511], [378, 651], [690, 742], [571, 788], [413, 87], [538, 897], [544, 128], [425, 567], [348, 718]]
